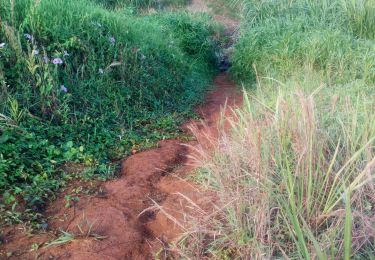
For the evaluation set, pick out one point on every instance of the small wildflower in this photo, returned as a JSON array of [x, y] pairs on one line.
[[2, 45], [112, 40], [57, 61], [101, 71], [143, 57], [66, 54], [28, 36], [35, 52], [63, 89]]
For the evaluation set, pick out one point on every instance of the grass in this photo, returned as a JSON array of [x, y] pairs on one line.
[[295, 176], [286, 38], [293, 180], [229, 9], [90, 94], [141, 4]]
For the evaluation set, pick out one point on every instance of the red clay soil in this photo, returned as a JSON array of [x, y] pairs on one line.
[[136, 215]]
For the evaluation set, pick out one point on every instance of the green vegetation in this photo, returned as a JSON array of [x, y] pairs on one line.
[[296, 177], [141, 4], [225, 8], [283, 35], [86, 85]]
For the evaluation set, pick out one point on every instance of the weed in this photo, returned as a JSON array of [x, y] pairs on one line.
[[70, 200], [85, 228], [65, 238]]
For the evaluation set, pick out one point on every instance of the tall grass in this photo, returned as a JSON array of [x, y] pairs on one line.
[[294, 180], [278, 35], [295, 173], [361, 15], [141, 4]]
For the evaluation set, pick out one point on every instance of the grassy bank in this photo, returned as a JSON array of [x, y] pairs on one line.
[[295, 179], [86, 85]]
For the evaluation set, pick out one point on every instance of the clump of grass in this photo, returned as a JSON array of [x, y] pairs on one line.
[[85, 230], [293, 181]]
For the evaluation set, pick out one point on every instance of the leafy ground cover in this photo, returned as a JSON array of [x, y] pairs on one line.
[[86, 85], [295, 179]]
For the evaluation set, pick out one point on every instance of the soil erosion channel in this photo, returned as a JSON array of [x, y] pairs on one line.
[[143, 210]]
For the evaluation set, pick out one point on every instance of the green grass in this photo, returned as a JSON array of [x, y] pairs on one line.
[[229, 9], [294, 178], [278, 36], [141, 4], [125, 82]]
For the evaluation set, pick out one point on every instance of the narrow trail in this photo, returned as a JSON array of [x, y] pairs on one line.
[[123, 221], [139, 213]]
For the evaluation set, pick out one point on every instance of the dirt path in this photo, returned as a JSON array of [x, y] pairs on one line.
[[135, 216]]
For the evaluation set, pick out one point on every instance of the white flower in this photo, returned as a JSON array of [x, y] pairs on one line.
[[112, 40], [2, 45], [28, 37], [63, 88], [57, 61]]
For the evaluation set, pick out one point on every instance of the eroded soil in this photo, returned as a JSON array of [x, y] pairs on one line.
[[138, 214]]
